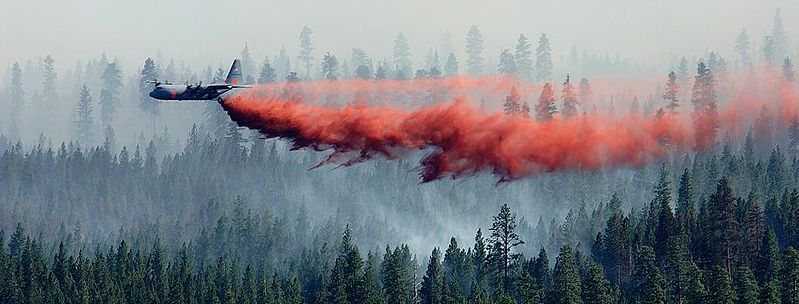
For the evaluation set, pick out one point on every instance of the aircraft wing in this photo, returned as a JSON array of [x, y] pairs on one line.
[[225, 86]]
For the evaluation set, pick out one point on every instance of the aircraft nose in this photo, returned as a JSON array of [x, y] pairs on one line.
[[154, 94]]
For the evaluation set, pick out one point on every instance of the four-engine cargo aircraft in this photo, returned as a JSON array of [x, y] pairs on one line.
[[168, 91]]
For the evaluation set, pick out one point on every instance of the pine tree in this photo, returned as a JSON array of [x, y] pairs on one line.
[[49, 96], [458, 271], [503, 240], [565, 279], [766, 266], [61, 272], [793, 137], [522, 54], [596, 288], [16, 95], [649, 284], [268, 74], [745, 286], [182, 286], [569, 99], [479, 296], [706, 117], [777, 177], [363, 72], [346, 279], [479, 259], [543, 59], [432, 60], [474, 52], [330, 67], [362, 63], [507, 64], [451, 66], [84, 117], [156, 280], [545, 108], [360, 58], [719, 285], [278, 294], [540, 271], [665, 227], [695, 291], [769, 51], [672, 93], [395, 275], [247, 65], [305, 58], [294, 292], [528, 289], [402, 57], [513, 105], [148, 73], [790, 276], [719, 227], [743, 47], [616, 250], [677, 269], [282, 64], [432, 290], [112, 82]]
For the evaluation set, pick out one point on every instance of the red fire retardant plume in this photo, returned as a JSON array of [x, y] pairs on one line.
[[461, 140]]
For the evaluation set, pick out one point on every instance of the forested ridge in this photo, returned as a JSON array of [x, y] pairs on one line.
[[717, 227], [98, 212]]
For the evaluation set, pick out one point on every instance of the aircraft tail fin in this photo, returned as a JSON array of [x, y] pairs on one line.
[[234, 75]]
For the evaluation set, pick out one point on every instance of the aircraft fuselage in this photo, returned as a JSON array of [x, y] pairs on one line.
[[188, 92], [168, 91]]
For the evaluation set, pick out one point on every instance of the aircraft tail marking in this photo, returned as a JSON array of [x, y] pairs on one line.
[[234, 75]]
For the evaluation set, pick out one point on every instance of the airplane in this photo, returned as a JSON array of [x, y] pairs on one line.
[[168, 91]]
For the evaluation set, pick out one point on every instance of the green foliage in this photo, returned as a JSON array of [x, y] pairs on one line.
[[433, 285], [565, 279], [745, 285], [648, 281], [790, 276], [596, 288], [347, 282], [396, 275], [713, 247], [502, 258], [719, 285]]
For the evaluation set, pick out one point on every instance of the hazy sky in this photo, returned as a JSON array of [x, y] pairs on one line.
[[213, 31]]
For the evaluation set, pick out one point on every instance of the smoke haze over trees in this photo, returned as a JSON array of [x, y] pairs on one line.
[[108, 195]]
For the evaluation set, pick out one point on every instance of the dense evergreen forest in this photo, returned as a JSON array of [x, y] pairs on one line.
[[715, 246], [92, 210]]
